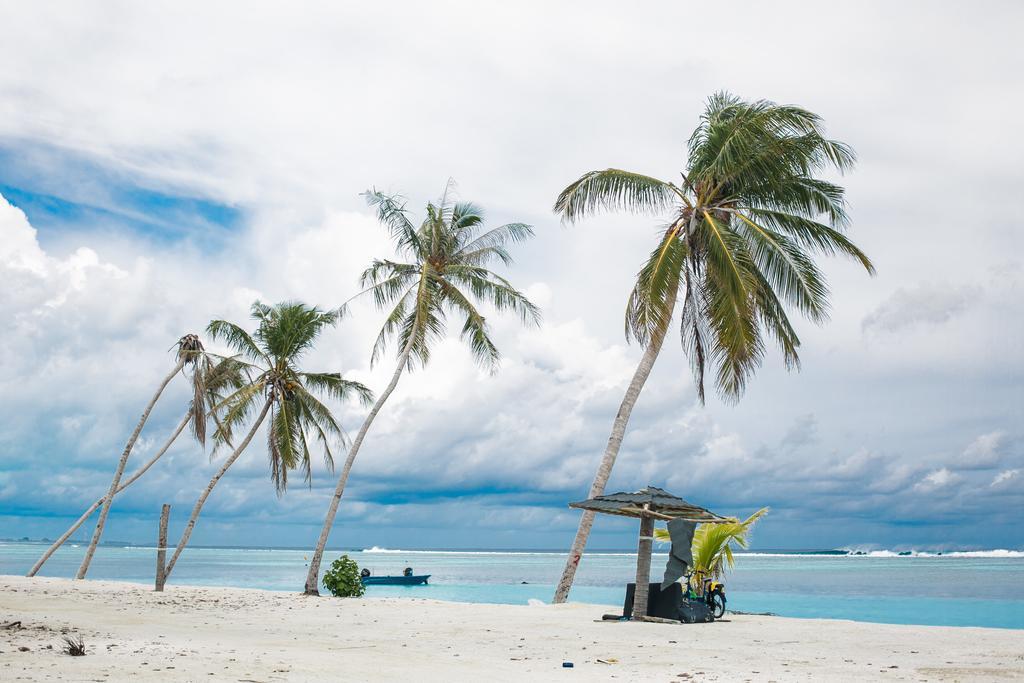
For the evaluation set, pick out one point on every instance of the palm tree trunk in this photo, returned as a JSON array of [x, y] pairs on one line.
[[209, 488], [611, 451], [131, 480], [109, 498], [332, 511]]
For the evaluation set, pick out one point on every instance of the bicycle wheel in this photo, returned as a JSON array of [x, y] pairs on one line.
[[718, 605]]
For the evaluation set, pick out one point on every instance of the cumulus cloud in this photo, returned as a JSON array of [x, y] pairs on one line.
[[60, 313], [36, 283], [1004, 478], [923, 305], [985, 452], [938, 479]]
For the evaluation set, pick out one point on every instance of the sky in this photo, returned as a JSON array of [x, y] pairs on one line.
[[165, 164]]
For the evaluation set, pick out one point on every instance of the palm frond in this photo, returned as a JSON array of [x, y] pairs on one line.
[[474, 330], [490, 287], [391, 212], [236, 409], [236, 338], [201, 370], [289, 329], [315, 416], [283, 442], [466, 218], [787, 268], [392, 325], [388, 281], [812, 234], [696, 336], [332, 384], [492, 243], [615, 189], [226, 374], [648, 310]]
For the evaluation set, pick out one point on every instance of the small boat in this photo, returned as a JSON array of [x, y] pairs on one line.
[[406, 579], [413, 580]]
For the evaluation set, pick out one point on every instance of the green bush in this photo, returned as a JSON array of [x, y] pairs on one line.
[[343, 580]]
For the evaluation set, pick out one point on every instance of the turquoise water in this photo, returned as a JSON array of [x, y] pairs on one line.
[[960, 589]]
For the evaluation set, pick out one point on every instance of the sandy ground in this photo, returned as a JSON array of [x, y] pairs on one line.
[[215, 634]]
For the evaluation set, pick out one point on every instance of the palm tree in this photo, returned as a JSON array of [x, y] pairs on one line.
[[190, 348], [712, 546], [207, 387], [279, 391], [744, 224], [446, 269]]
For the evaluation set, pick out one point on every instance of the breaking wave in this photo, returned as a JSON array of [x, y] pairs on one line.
[[995, 553]]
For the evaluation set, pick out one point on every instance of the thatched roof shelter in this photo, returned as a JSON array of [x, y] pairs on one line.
[[649, 501], [648, 504]]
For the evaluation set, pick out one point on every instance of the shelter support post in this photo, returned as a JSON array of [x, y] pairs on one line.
[[643, 567]]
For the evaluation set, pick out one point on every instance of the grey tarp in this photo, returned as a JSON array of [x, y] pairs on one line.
[[681, 555]]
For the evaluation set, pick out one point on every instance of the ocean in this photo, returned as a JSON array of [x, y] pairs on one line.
[[979, 588]]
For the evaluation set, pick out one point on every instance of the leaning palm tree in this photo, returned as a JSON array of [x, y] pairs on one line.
[[446, 269], [190, 348], [743, 227], [280, 392], [215, 377]]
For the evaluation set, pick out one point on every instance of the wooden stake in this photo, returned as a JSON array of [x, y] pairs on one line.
[[161, 549], [643, 567]]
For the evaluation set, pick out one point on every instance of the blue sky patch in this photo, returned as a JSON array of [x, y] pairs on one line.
[[62, 191]]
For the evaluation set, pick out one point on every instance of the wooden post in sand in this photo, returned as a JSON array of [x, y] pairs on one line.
[[161, 549], [643, 566]]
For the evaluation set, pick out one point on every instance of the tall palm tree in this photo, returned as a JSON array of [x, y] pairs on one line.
[[279, 391], [215, 378], [190, 348], [744, 224], [445, 270]]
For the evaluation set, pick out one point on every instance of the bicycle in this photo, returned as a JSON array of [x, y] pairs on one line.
[[713, 594]]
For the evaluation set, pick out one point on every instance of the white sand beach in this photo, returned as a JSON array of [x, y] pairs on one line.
[[233, 634]]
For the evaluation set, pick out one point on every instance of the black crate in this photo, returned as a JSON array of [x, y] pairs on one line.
[[660, 603]]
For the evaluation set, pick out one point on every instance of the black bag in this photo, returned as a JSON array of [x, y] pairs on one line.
[[695, 611]]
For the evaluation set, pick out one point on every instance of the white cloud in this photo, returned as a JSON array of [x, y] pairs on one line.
[[923, 305], [985, 452], [1004, 478], [36, 283], [938, 479]]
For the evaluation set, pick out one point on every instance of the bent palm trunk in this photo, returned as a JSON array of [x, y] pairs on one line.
[[611, 451], [115, 482], [187, 534], [332, 511], [131, 480]]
